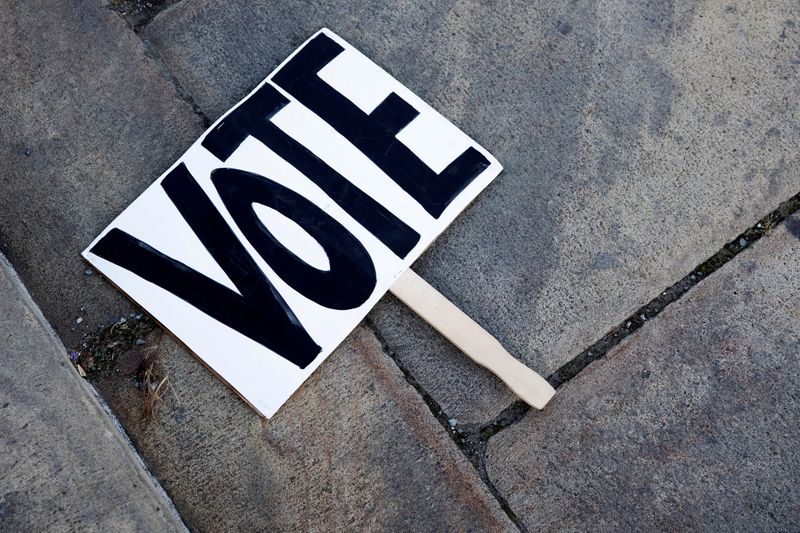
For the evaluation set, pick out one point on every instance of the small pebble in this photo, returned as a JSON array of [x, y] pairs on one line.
[[123, 320], [88, 271], [139, 342], [138, 317], [452, 422], [742, 242], [80, 319]]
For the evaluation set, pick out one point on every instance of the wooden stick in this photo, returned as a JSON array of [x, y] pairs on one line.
[[471, 338]]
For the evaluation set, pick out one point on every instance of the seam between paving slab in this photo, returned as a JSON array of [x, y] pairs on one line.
[[139, 13], [154, 55], [450, 428], [138, 458], [471, 439], [475, 436], [103, 410]]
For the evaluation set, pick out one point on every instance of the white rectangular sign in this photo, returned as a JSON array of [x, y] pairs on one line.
[[276, 232]]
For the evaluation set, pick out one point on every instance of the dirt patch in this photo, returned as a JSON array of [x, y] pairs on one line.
[[126, 355], [111, 346]]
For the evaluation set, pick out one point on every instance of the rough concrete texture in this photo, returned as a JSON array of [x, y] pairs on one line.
[[689, 425], [88, 123], [637, 137], [63, 465], [354, 450]]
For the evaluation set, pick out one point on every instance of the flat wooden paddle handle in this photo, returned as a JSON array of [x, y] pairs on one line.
[[471, 338]]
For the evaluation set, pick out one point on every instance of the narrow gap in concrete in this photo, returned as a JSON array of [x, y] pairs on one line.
[[139, 459], [99, 352], [461, 437], [472, 439], [480, 434], [137, 13], [155, 56]]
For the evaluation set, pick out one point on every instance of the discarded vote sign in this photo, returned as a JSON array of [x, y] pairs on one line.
[[276, 232]]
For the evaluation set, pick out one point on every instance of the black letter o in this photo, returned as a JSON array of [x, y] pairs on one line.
[[351, 278]]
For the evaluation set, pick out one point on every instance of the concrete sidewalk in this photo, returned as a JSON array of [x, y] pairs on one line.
[[638, 139], [63, 464]]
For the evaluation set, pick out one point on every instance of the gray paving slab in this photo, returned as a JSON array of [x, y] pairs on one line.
[[689, 425], [63, 464], [637, 137], [88, 122], [355, 449]]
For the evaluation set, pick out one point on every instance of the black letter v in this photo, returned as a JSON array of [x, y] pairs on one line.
[[258, 312]]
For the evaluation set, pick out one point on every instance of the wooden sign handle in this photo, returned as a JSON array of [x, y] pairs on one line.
[[471, 338]]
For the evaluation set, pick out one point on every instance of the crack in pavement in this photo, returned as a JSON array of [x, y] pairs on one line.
[[458, 435], [154, 55], [138, 13], [474, 437]]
